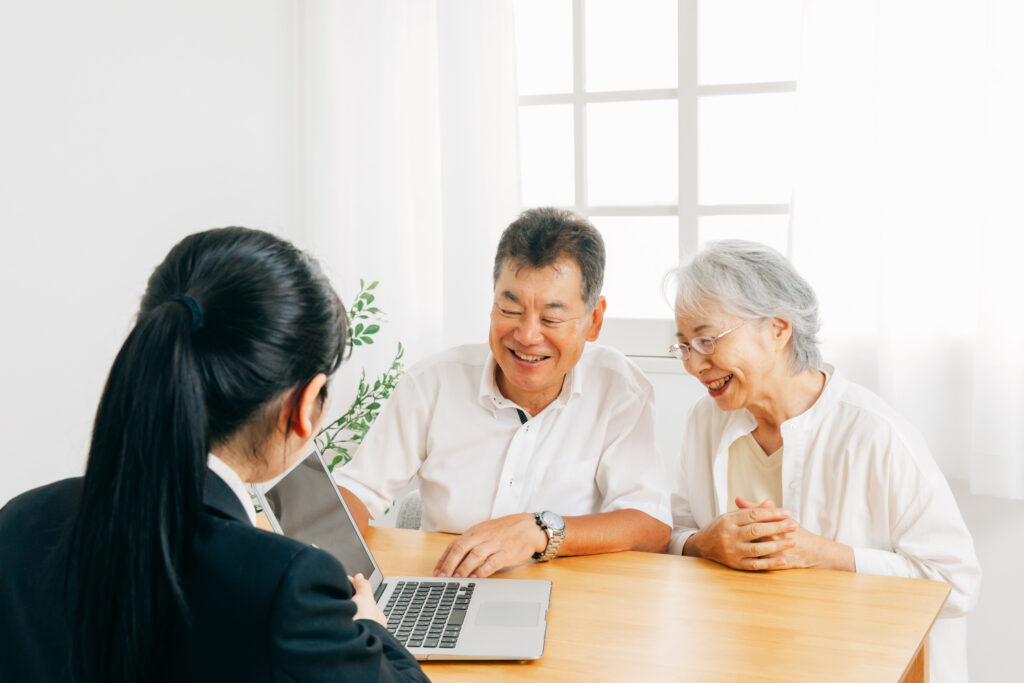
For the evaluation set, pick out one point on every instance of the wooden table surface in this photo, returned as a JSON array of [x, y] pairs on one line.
[[645, 617]]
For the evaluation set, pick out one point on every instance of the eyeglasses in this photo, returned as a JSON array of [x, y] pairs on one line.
[[702, 345]]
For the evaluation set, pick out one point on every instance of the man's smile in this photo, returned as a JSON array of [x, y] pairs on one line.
[[529, 358]]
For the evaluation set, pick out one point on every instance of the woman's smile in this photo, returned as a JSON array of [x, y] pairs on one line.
[[717, 387]]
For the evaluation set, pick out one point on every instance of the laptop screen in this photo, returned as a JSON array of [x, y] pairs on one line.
[[309, 508]]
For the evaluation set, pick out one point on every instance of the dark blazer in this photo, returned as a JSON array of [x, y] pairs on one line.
[[264, 607]]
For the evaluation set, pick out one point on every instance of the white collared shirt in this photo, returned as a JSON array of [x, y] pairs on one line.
[[591, 450], [856, 472], [234, 482]]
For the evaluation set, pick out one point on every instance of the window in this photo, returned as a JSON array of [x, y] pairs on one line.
[[668, 124]]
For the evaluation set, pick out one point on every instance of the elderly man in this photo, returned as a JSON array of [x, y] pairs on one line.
[[537, 444]]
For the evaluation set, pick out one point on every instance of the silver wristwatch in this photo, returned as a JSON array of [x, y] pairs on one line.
[[554, 527]]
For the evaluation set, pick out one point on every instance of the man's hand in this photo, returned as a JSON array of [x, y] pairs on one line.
[[492, 545], [808, 549], [366, 606], [750, 538]]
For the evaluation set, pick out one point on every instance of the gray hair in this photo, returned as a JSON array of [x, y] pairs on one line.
[[541, 236], [752, 280]]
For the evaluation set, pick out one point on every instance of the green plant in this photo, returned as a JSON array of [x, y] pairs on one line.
[[348, 431]]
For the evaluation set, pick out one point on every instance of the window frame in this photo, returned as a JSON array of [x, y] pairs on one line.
[[646, 340]]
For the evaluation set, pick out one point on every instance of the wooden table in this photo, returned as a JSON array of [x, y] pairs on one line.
[[644, 617]]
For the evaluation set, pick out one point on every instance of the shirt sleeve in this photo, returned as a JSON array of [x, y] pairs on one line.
[[391, 452], [929, 537], [313, 636], [684, 524], [631, 472]]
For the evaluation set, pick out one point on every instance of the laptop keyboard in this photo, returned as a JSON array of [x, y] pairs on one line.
[[428, 613]]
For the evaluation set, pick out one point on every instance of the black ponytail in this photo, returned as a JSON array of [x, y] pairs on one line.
[[231, 321]]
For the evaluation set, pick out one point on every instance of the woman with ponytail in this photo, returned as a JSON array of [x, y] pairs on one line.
[[149, 567]]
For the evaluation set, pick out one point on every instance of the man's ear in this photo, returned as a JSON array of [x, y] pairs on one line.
[[303, 416], [597, 319]]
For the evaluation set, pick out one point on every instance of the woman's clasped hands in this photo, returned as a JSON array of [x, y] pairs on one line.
[[751, 538], [760, 537]]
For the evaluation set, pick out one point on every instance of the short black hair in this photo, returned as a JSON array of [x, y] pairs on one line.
[[541, 236]]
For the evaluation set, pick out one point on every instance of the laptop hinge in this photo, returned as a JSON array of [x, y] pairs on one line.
[[380, 591]]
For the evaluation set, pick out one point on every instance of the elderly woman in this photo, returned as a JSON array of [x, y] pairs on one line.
[[786, 463]]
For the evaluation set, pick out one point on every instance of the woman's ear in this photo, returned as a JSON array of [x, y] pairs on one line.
[[309, 409], [781, 331]]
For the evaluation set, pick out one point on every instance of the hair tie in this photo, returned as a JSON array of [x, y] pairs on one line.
[[193, 308]]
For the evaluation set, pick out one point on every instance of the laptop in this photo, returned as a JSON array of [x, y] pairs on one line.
[[435, 618]]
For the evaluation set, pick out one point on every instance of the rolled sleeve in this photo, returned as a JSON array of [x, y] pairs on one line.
[[875, 561], [963, 583], [684, 523], [679, 539], [392, 451]]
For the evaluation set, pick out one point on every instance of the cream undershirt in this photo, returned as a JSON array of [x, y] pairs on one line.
[[753, 474]]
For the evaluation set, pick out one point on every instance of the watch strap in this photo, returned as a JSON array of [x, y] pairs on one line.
[[555, 537]]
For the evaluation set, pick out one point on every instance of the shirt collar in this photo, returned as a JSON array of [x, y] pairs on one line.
[[740, 422], [490, 396], [234, 482], [834, 385]]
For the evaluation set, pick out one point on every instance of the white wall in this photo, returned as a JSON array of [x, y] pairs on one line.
[[123, 127], [993, 628]]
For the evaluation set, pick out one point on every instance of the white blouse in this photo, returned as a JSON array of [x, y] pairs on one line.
[[855, 472]]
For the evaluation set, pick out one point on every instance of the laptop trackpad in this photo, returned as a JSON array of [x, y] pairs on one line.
[[497, 613]]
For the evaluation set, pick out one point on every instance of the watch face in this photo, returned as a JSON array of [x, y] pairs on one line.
[[552, 520]]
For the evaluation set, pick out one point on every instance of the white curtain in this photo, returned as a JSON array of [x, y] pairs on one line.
[[409, 161], [907, 218]]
